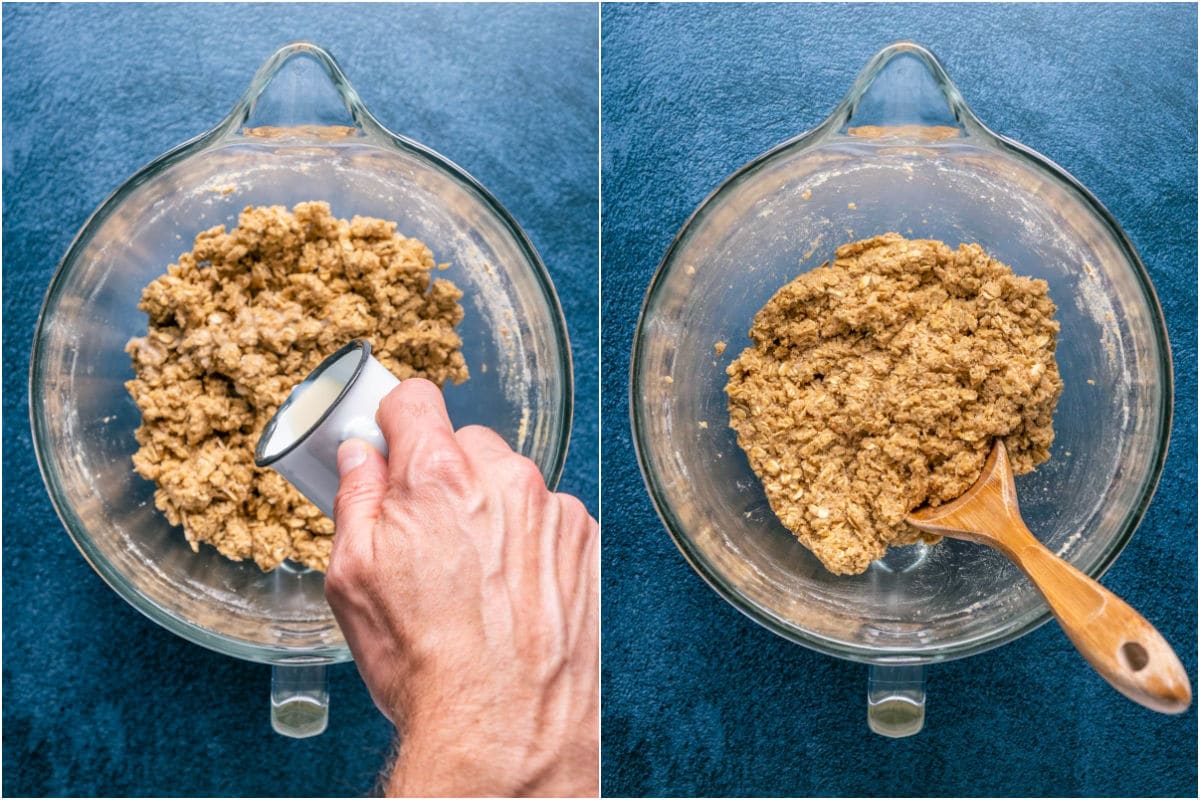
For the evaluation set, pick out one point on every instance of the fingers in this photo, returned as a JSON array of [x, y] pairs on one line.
[[422, 448], [363, 482], [411, 411]]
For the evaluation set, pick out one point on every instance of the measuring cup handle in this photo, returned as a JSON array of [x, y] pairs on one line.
[[896, 699], [299, 700]]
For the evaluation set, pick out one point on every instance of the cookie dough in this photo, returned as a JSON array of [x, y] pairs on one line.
[[240, 320], [877, 383]]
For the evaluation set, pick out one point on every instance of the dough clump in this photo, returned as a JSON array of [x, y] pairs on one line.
[[878, 383], [239, 321]]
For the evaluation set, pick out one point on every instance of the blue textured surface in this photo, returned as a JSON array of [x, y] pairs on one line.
[[97, 699], [697, 698]]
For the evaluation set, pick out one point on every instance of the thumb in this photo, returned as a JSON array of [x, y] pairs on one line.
[[362, 484]]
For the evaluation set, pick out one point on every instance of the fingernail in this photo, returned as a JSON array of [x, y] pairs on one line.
[[351, 453]]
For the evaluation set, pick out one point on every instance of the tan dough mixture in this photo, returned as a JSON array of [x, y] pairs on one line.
[[877, 384], [240, 320]]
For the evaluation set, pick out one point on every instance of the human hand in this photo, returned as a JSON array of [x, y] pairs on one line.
[[468, 594]]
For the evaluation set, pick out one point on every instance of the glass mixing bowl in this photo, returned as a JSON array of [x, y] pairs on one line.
[[903, 153], [299, 133]]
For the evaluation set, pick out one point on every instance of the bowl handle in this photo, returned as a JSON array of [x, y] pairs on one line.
[[301, 92], [299, 700], [896, 699]]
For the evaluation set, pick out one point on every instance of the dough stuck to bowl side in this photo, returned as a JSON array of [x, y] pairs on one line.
[[877, 383]]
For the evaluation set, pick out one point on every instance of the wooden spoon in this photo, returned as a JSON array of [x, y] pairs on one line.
[[1116, 640]]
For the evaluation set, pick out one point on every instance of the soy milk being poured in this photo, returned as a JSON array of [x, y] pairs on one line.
[[306, 404]]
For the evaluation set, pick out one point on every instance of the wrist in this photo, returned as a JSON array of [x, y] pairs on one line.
[[455, 765], [427, 768]]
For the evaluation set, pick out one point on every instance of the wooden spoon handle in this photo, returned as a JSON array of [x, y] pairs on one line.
[[1116, 640]]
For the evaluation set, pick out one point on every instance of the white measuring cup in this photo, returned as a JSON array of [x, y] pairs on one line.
[[336, 402]]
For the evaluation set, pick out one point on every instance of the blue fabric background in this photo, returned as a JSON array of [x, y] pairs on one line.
[[697, 698], [97, 699]]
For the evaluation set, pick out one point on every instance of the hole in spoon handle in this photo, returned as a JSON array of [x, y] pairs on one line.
[[1134, 656]]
